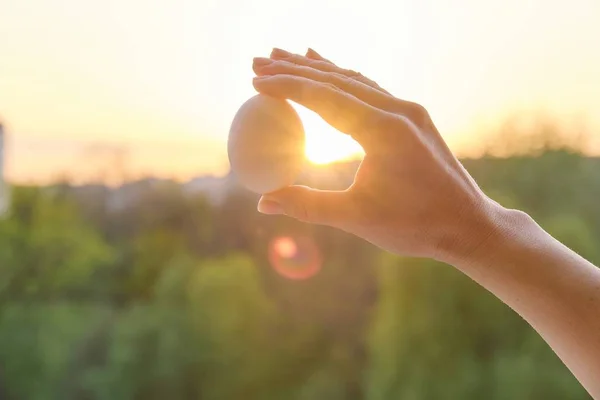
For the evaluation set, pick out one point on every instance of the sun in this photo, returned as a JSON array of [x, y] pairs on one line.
[[325, 144]]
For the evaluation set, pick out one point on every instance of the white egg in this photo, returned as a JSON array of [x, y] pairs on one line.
[[266, 144]]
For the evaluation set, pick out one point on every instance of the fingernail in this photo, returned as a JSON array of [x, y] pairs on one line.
[[269, 207], [311, 53], [261, 61], [261, 78], [280, 53]]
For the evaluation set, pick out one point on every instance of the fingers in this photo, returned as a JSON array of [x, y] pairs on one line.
[[313, 55], [323, 65], [310, 205], [365, 123], [362, 91], [330, 73]]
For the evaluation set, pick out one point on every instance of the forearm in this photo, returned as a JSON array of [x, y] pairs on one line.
[[550, 286]]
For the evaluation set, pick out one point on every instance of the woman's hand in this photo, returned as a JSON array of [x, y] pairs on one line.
[[410, 195], [413, 197]]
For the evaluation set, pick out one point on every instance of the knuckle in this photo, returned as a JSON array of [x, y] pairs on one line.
[[329, 86], [317, 64], [418, 114], [369, 82], [357, 76], [419, 110], [337, 77], [374, 84], [278, 64], [414, 112], [365, 80], [343, 81]]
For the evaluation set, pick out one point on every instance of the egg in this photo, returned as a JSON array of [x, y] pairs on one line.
[[266, 144]]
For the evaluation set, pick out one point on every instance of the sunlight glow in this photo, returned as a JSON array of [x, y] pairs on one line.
[[285, 247], [296, 258], [325, 144], [324, 147], [167, 77]]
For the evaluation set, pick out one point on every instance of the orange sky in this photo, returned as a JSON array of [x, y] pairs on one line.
[[165, 78]]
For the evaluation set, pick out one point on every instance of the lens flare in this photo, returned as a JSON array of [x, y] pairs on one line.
[[294, 258]]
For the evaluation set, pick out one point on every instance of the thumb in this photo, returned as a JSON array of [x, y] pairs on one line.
[[308, 205]]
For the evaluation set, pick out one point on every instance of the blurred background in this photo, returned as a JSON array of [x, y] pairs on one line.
[[133, 266]]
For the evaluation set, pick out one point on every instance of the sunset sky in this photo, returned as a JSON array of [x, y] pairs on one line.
[[164, 78]]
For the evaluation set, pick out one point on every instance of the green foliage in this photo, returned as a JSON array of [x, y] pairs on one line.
[[575, 233], [460, 337], [36, 342], [46, 248], [172, 297]]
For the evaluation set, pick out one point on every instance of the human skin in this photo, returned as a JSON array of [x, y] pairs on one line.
[[411, 196]]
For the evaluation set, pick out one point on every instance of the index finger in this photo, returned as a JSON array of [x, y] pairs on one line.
[[341, 110], [315, 60]]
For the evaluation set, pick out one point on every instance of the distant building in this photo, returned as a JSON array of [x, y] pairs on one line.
[[4, 195]]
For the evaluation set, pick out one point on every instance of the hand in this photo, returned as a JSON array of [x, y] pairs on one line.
[[410, 195]]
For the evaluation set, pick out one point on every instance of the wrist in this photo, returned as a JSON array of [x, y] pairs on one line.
[[483, 234]]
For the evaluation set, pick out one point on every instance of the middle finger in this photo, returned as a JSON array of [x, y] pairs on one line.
[[366, 93]]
